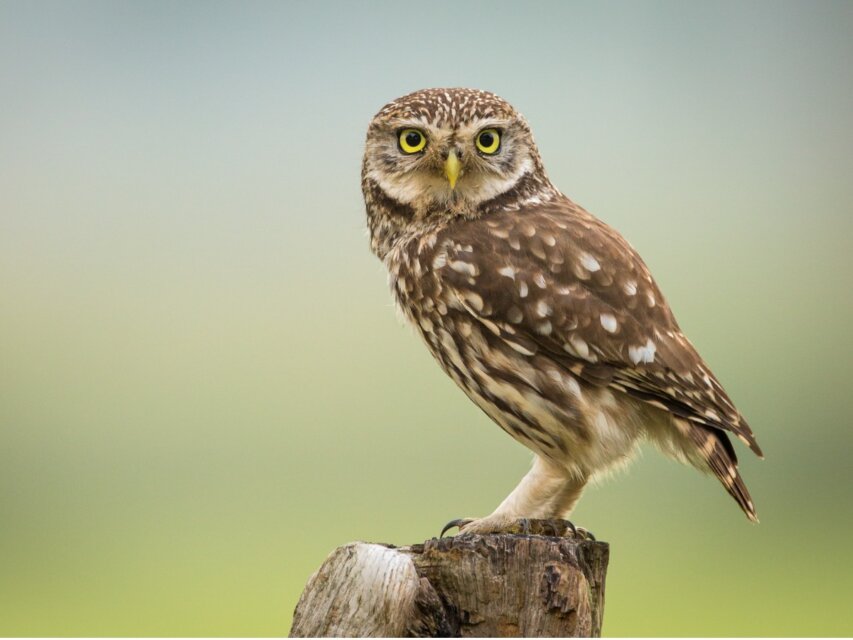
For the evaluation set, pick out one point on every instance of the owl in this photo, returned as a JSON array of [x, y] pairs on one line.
[[544, 316]]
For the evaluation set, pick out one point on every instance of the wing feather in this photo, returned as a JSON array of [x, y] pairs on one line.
[[552, 279]]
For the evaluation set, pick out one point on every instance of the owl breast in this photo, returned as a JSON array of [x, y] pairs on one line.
[[537, 401]]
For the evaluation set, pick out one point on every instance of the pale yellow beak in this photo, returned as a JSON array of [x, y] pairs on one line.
[[451, 169]]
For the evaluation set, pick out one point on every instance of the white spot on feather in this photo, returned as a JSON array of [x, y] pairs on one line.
[[544, 328], [464, 267], [644, 353], [491, 326], [578, 346], [474, 300], [589, 262], [573, 386], [522, 350], [608, 321]]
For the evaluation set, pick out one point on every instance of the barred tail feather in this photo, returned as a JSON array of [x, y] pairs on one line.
[[718, 454]]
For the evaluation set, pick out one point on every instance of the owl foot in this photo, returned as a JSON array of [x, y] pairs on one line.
[[524, 526]]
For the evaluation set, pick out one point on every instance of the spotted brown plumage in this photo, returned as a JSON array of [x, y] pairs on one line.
[[544, 315]]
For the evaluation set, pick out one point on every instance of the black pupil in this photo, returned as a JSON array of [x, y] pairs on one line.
[[413, 138], [487, 139]]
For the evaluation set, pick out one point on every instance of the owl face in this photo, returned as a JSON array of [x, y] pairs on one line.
[[448, 149]]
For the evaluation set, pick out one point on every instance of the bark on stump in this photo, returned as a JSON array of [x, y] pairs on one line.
[[532, 584]]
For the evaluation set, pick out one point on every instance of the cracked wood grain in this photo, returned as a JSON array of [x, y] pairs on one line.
[[498, 585]]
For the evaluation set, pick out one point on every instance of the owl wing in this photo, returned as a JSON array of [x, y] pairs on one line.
[[552, 279]]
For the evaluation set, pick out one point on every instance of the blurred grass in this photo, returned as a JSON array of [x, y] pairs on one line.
[[203, 385], [182, 468]]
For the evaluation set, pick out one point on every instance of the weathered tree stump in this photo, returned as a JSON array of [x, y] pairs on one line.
[[542, 583]]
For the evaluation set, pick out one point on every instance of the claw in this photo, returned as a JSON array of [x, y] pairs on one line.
[[579, 532], [585, 533], [524, 526], [459, 522]]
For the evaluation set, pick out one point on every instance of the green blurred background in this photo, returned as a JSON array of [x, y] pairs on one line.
[[203, 385]]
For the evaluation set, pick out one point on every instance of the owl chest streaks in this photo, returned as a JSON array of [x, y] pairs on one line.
[[449, 288]]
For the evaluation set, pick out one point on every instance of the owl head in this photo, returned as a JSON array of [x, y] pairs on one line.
[[450, 152]]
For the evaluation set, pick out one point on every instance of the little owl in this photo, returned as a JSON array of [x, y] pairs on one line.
[[544, 315]]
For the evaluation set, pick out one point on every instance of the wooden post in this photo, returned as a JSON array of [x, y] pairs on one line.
[[542, 582]]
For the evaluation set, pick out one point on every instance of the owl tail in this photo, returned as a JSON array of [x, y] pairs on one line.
[[718, 454]]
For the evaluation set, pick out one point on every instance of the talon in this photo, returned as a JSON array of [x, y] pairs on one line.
[[572, 527], [586, 533], [459, 522]]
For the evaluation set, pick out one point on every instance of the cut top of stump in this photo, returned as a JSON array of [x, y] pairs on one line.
[[497, 585]]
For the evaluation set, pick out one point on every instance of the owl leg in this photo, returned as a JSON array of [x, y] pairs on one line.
[[546, 493]]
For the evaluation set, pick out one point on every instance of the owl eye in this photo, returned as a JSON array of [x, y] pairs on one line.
[[489, 141], [412, 140]]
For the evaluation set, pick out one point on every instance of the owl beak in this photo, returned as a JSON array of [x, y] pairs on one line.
[[451, 168]]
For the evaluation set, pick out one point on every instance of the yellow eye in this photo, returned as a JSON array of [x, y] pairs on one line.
[[489, 141], [412, 140]]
